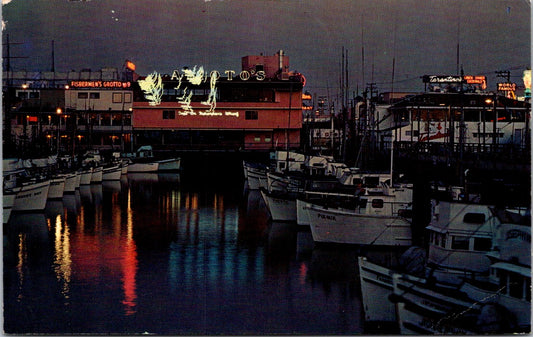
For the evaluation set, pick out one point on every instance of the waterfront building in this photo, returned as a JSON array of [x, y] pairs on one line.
[[256, 108], [53, 112]]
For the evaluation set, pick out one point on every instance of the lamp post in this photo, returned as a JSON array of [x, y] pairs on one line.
[[58, 112]]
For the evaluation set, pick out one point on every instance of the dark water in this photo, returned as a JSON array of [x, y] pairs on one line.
[[173, 254]]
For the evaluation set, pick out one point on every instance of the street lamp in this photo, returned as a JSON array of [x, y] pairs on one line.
[[58, 112]]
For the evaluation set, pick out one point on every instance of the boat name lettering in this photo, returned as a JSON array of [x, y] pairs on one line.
[[516, 233], [328, 217]]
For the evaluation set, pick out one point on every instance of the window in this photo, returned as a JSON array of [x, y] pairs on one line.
[[251, 115], [478, 218], [443, 240], [377, 203], [94, 95], [117, 97], [482, 244], [127, 97], [169, 114], [268, 139], [83, 95], [460, 242]]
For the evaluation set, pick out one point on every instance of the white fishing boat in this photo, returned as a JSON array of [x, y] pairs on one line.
[[71, 182], [31, 196], [509, 283], [111, 173], [424, 308], [57, 187], [144, 161], [96, 175], [171, 164], [377, 286], [380, 219], [86, 175], [460, 236], [138, 167]]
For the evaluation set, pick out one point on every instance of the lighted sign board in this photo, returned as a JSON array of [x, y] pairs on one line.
[[469, 79], [442, 79], [130, 65], [100, 84], [506, 86], [307, 96], [527, 82]]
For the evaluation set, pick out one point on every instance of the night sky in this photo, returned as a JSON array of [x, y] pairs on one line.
[[163, 35]]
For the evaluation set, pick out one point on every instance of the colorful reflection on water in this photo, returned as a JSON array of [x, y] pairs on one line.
[[171, 254]]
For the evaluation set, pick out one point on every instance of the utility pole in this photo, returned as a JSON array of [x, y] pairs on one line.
[[6, 132], [504, 74]]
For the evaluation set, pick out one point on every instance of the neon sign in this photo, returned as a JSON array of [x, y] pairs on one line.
[[506, 86], [153, 88], [476, 80], [100, 84]]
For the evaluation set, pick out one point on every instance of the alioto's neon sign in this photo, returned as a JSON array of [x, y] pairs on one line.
[[152, 86]]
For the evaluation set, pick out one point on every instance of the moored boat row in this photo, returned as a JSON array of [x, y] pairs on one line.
[[476, 279]]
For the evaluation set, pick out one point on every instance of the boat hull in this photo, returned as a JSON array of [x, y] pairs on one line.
[[8, 200], [143, 167], [376, 287], [348, 227], [31, 197], [423, 310], [281, 208], [111, 173], [71, 182], [57, 188], [166, 165], [85, 176], [96, 176], [255, 176]]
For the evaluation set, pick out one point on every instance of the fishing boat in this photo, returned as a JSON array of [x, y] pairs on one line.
[[30, 191], [171, 164], [381, 219], [460, 236], [144, 161], [509, 283], [31, 195], [137, 167], [111, 173], [57, 187]]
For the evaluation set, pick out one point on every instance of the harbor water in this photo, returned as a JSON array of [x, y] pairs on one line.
[[176, 253]]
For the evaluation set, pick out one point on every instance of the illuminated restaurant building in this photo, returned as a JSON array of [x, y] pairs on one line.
[[258, 107], [63, 112]]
